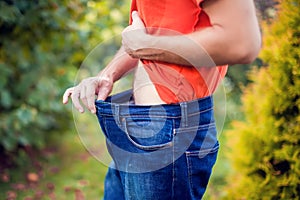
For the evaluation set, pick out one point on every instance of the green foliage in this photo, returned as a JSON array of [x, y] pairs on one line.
[[265, 147], [42, 43], [266, 8]]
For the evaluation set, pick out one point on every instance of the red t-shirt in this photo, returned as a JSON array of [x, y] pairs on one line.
[[175, 83]]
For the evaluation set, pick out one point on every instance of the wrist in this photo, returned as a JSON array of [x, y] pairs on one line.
[[105, 75]]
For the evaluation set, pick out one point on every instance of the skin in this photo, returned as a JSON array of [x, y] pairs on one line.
[[233, 38]]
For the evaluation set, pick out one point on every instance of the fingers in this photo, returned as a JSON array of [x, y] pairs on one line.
[[137, 23], [106, 88], [90, 99], [75, 98], [66, 95], [103, 94], [135, 36], [86, 91], [78, 93], [75, 94]]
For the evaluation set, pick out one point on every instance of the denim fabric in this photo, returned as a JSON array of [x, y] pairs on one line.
[[160, 151]]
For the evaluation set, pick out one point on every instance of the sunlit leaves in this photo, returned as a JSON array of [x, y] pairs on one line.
[[42, 44], [266, 145]]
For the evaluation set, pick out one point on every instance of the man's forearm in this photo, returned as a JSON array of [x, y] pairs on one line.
[[120, 65], [207, 47], [232, 38], [174, 49]]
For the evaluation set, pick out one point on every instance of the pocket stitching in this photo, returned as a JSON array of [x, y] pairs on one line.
[[195, 128], [203, 151], [143, 147]]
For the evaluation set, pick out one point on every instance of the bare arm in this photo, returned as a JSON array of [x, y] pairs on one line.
[[234, 37], [121, 64], [100, 85]]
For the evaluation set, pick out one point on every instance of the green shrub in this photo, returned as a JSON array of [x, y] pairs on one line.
[[42, 44], [266, 146]]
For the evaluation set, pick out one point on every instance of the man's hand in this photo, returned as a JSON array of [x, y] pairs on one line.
[[135, 36], [100, 85], [140, 45], [86, 91]]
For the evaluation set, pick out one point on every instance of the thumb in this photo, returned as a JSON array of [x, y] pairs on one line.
[[137, 23], [103, 95]]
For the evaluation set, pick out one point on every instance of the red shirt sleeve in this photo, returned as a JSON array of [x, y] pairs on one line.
[[132, 8]]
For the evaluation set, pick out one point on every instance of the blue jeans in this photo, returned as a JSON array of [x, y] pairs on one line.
[[159, 151]]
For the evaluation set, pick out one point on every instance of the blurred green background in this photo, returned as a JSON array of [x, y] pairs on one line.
[[49, 152]]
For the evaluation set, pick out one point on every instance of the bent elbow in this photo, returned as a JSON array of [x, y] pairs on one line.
[[247, 53]]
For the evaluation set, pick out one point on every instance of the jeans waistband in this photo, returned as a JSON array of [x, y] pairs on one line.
[[122, 104]]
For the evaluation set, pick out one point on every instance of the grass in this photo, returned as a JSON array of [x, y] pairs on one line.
[[67, 171]]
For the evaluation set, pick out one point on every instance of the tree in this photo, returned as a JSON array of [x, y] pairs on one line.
[[266, 8], [236, 78], [42, 44], [265, 147]]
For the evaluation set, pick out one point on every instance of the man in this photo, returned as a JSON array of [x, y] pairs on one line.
[[164, 144]]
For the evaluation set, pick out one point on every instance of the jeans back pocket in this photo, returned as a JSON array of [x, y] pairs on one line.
[[200, 164]]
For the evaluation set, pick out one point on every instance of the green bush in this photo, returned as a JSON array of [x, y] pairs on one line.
[[266, 146], [42, 43]]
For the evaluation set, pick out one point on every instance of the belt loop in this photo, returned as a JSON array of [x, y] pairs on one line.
[[184, 115], [117, 114]]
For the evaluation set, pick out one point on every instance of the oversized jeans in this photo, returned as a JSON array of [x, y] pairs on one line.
[[160, 151]]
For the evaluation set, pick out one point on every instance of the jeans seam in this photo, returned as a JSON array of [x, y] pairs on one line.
[[161, 116], [105, 125], [173, 161], [189, 175], [202, 152], [198, 128]]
